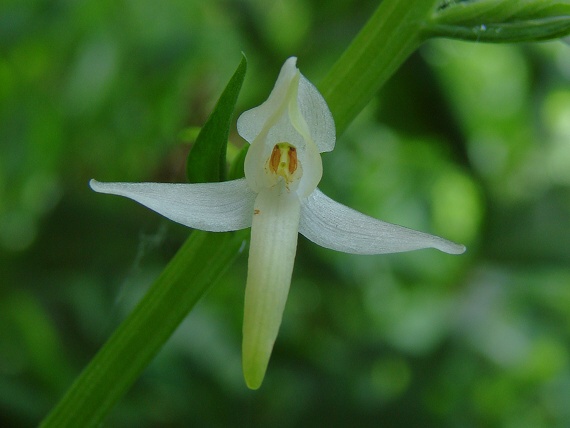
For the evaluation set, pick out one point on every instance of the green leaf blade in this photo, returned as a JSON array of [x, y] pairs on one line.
[[207, 160]]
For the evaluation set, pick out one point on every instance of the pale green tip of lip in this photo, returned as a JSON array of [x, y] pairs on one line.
[[253, 377]]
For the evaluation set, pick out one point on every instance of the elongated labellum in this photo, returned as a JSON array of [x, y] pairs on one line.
[[271, 257]]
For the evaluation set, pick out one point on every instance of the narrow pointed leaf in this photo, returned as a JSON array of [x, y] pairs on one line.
[[214, 207], [207, 159], [237, 166], [338, 227]]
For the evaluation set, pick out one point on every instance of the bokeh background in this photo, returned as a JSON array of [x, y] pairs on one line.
[[467, 141]]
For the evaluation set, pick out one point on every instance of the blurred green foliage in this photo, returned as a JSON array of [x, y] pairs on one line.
[[468, 141]]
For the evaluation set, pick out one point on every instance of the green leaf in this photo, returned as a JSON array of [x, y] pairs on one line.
[[237, 166], [188, 276], [502, 21], [207, 159]]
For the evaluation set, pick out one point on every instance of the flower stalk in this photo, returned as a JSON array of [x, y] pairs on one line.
[[502, 21], [391, 35]]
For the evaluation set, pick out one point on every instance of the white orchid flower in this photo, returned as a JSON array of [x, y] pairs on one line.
[[278, 198]]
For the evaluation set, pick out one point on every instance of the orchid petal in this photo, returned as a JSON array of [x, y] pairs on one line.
[[294, 113], [311, 103], [215, 207], [271, 256], [316, 112], [338, 227], [252, 122]]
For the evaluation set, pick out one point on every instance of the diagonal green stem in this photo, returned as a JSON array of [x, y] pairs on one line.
[[188, 276], [391, 35]]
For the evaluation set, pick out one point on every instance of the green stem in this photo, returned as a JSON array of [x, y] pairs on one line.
[[390, 36], [505, 21], [192, 271]]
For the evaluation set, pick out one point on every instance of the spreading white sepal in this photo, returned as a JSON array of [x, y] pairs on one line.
[[273, 245], [215, 207], [338, 227]]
